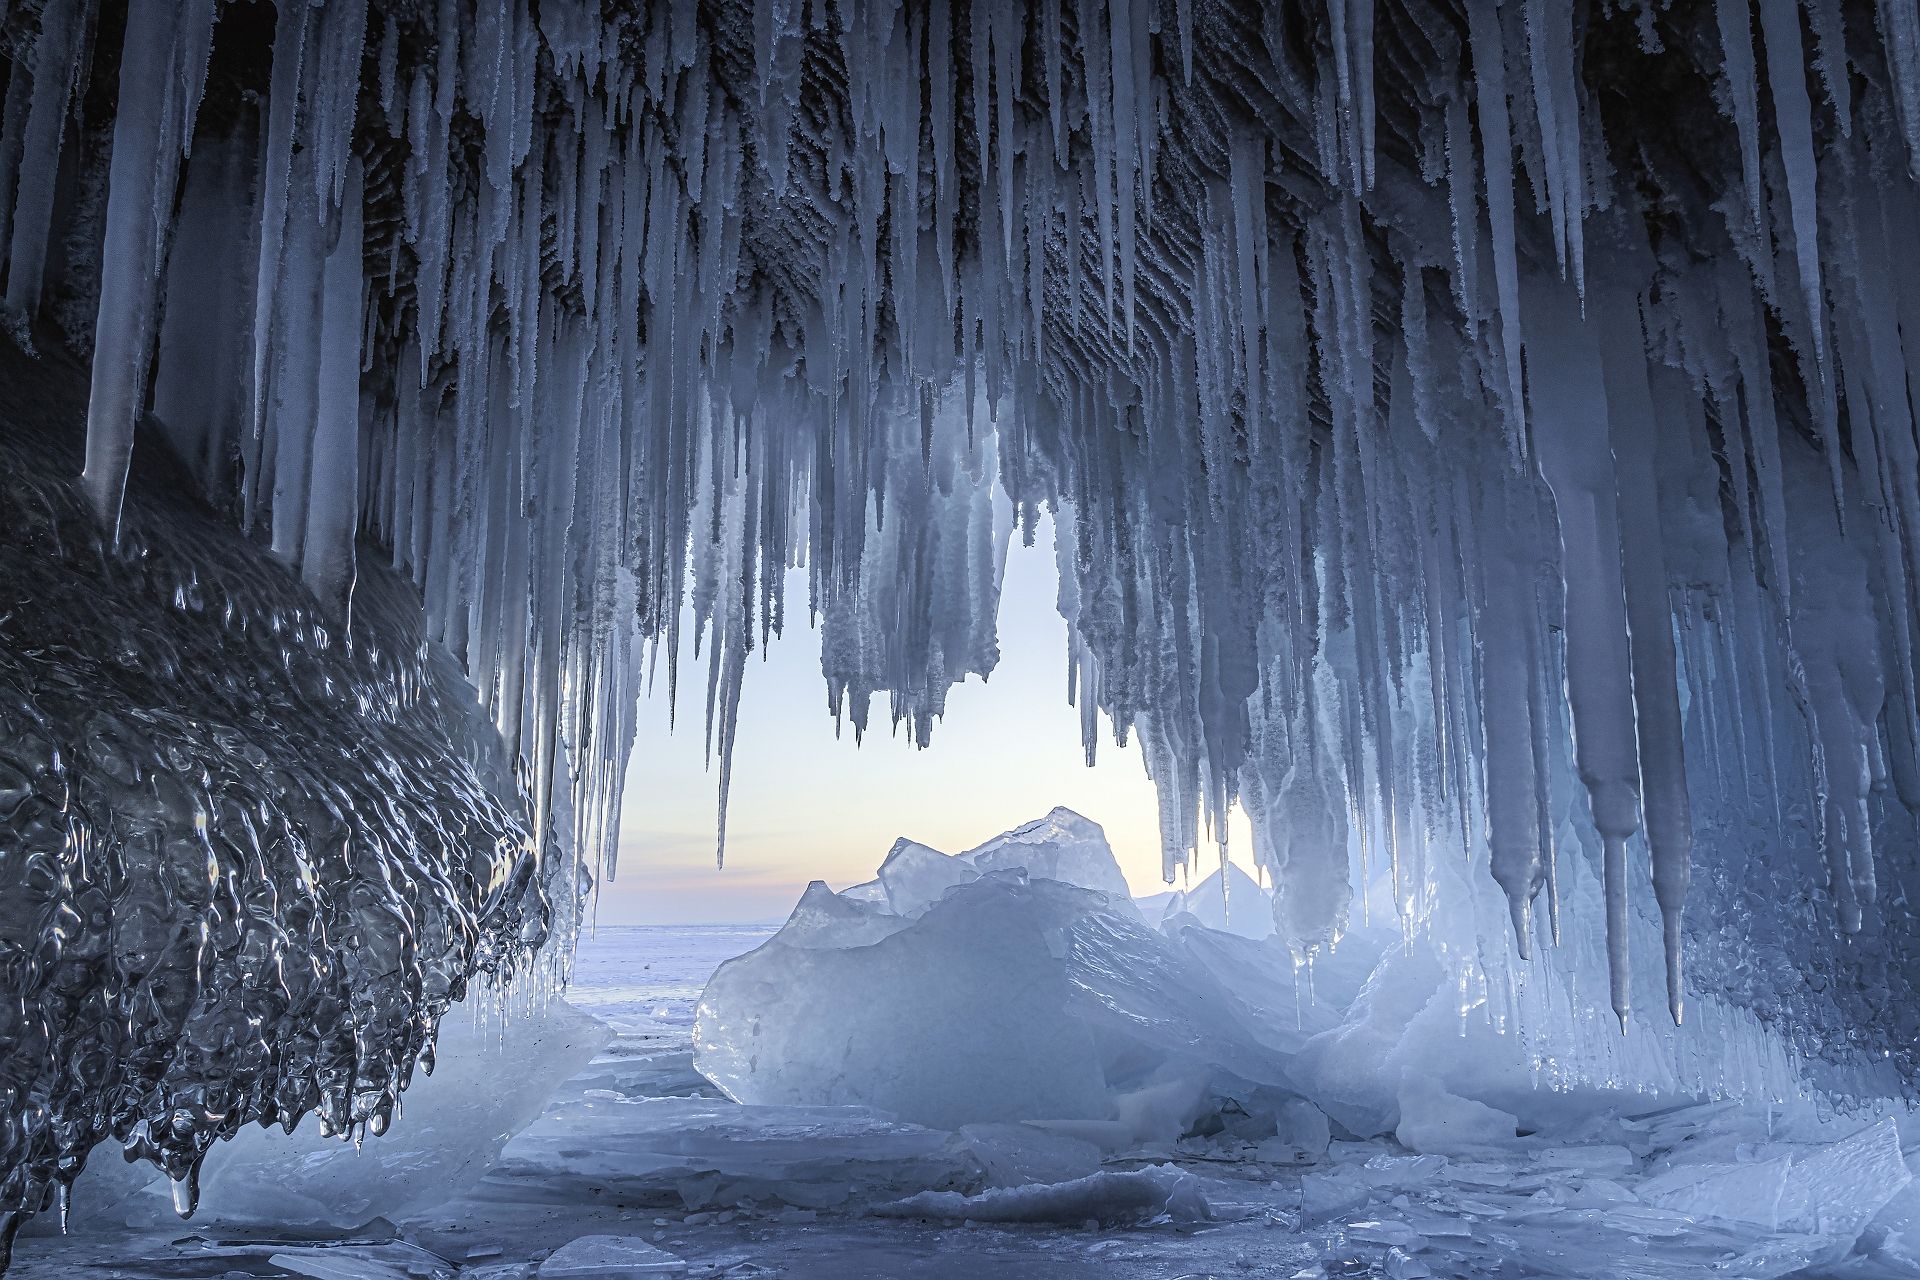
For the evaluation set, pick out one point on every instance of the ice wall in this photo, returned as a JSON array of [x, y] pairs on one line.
[[1459, 458], [248, 855]]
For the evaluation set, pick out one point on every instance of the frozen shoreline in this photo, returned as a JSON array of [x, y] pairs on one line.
[[637, 1145]]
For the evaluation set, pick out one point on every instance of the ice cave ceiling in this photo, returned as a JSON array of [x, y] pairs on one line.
[[1476, 431]]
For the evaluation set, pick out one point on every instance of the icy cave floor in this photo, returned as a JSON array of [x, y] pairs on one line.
[[639, 1146]]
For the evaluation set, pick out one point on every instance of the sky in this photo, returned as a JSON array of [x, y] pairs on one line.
[[809, 806]]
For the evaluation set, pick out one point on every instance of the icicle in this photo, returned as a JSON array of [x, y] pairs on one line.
[[1793, 117], [1463, 204], [1360, 18], [1483, 22], [163, 67], [1900, 27], [1570, 418], [326, 564], [1829, 30], [296, 370], [1515, 854], [1122, 158], [1183, 19], [1736, 42], [59, 59], [13, 129], [289, 52], [1656, 701]]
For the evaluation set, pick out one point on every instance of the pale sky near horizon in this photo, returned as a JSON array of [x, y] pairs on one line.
[[807, 806]]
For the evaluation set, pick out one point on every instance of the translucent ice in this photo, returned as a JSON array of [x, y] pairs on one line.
[[1435, 1121], [1012, 1155], [1751, 1192], [609, 1258], [335, 1264], [915, 876], [1229, 900], [1062, 846], [962, 1016], [1820, 1197], [1836, 1190], [491, 1078], [1008, 998], [1105, 1196], [1458, 467]]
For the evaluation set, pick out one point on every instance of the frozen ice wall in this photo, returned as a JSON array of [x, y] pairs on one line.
[[1459, 461], [248, 854]]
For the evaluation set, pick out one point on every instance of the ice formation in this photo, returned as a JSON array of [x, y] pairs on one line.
[[1106, 1196], [1012, 997], [249, 854], [1228, 899], [1003, 995], [1465, 466], [1070, 1048], [495, 1067], [639, 1148]]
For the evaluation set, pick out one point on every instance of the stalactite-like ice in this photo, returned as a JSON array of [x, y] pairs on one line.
[[1454, 460], [250, 855]]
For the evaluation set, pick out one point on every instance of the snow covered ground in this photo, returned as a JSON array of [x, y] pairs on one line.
[[638, 1147]]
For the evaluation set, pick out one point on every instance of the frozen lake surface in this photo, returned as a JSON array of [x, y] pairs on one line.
[[650, 976], [640, 1148]]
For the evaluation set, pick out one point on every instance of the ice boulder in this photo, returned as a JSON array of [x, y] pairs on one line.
[[1008, 999], [961, 1016], [492, 1078], [1242, 907], [1062, 846], [915, 876], [823, 918], [1435, 1122]]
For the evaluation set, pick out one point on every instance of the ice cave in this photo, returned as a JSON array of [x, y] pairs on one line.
[[1478, 442]]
